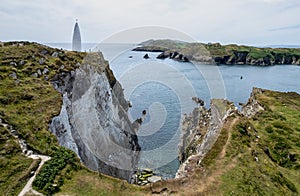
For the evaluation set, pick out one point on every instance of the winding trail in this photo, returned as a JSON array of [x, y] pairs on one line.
[[28, 187]]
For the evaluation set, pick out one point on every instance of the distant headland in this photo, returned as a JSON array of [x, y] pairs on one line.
[[215, 53]]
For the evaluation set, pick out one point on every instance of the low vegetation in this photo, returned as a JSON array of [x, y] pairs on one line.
[[86, 182], [56, 170]]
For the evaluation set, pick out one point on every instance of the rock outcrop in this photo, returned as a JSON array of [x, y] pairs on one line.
[[194, 127], [252, 107], [245, 58], [173, 55], [200, 131], [93, 121]]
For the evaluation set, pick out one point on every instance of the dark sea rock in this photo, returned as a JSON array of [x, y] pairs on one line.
[[146, 56]]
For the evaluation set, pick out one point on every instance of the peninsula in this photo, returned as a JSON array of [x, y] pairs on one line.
[[215, 53]]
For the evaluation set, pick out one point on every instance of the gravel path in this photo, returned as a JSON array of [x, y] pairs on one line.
[[28, 187], [28, 153]]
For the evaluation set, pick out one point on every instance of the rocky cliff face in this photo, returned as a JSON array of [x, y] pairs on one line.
[[252, 107], [200, 131], [236, 58], [194, 127], [245, 58], [93, 121]]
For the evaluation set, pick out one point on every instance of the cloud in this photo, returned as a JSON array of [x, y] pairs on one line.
[[278, 1], [286, 28], [226, 21], [273, 1]]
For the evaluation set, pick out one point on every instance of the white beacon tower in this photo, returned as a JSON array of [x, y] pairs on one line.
[[76, 43]]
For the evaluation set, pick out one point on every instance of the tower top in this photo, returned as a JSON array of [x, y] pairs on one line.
[[76, 43]]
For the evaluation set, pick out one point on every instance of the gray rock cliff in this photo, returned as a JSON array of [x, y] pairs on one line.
[[93, 121], [200, 131]]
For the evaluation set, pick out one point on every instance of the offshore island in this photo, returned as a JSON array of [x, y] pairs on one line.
[[222, 150]]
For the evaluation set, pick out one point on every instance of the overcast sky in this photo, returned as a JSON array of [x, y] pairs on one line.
[[253, 22]]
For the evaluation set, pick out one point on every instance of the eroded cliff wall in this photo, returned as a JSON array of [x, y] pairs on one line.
[[200, 131], [93, 121]]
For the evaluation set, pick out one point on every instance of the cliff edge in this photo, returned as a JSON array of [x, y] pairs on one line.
[[93, 121]]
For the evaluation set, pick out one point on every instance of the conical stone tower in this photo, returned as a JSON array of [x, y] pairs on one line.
[[76, 43]]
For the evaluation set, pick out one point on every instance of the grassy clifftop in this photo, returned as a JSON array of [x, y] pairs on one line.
[[222, 54], [27, 98], [264, 151], [28, 101]]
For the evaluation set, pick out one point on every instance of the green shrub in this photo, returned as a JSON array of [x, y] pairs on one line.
[[45, 180]]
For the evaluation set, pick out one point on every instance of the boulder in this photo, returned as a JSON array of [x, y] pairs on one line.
[[154, 179], [146, 175], [13, 63], [44, 52], [147, 170], [39, 72], [45, 71], [55, 54], [21, 62], [164, 55], [13, 75], [41, 61], [146, 56]]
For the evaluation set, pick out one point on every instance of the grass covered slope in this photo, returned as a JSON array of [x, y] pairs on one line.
[[265, 150], [221, 54], [15, 167], [28, 102]]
